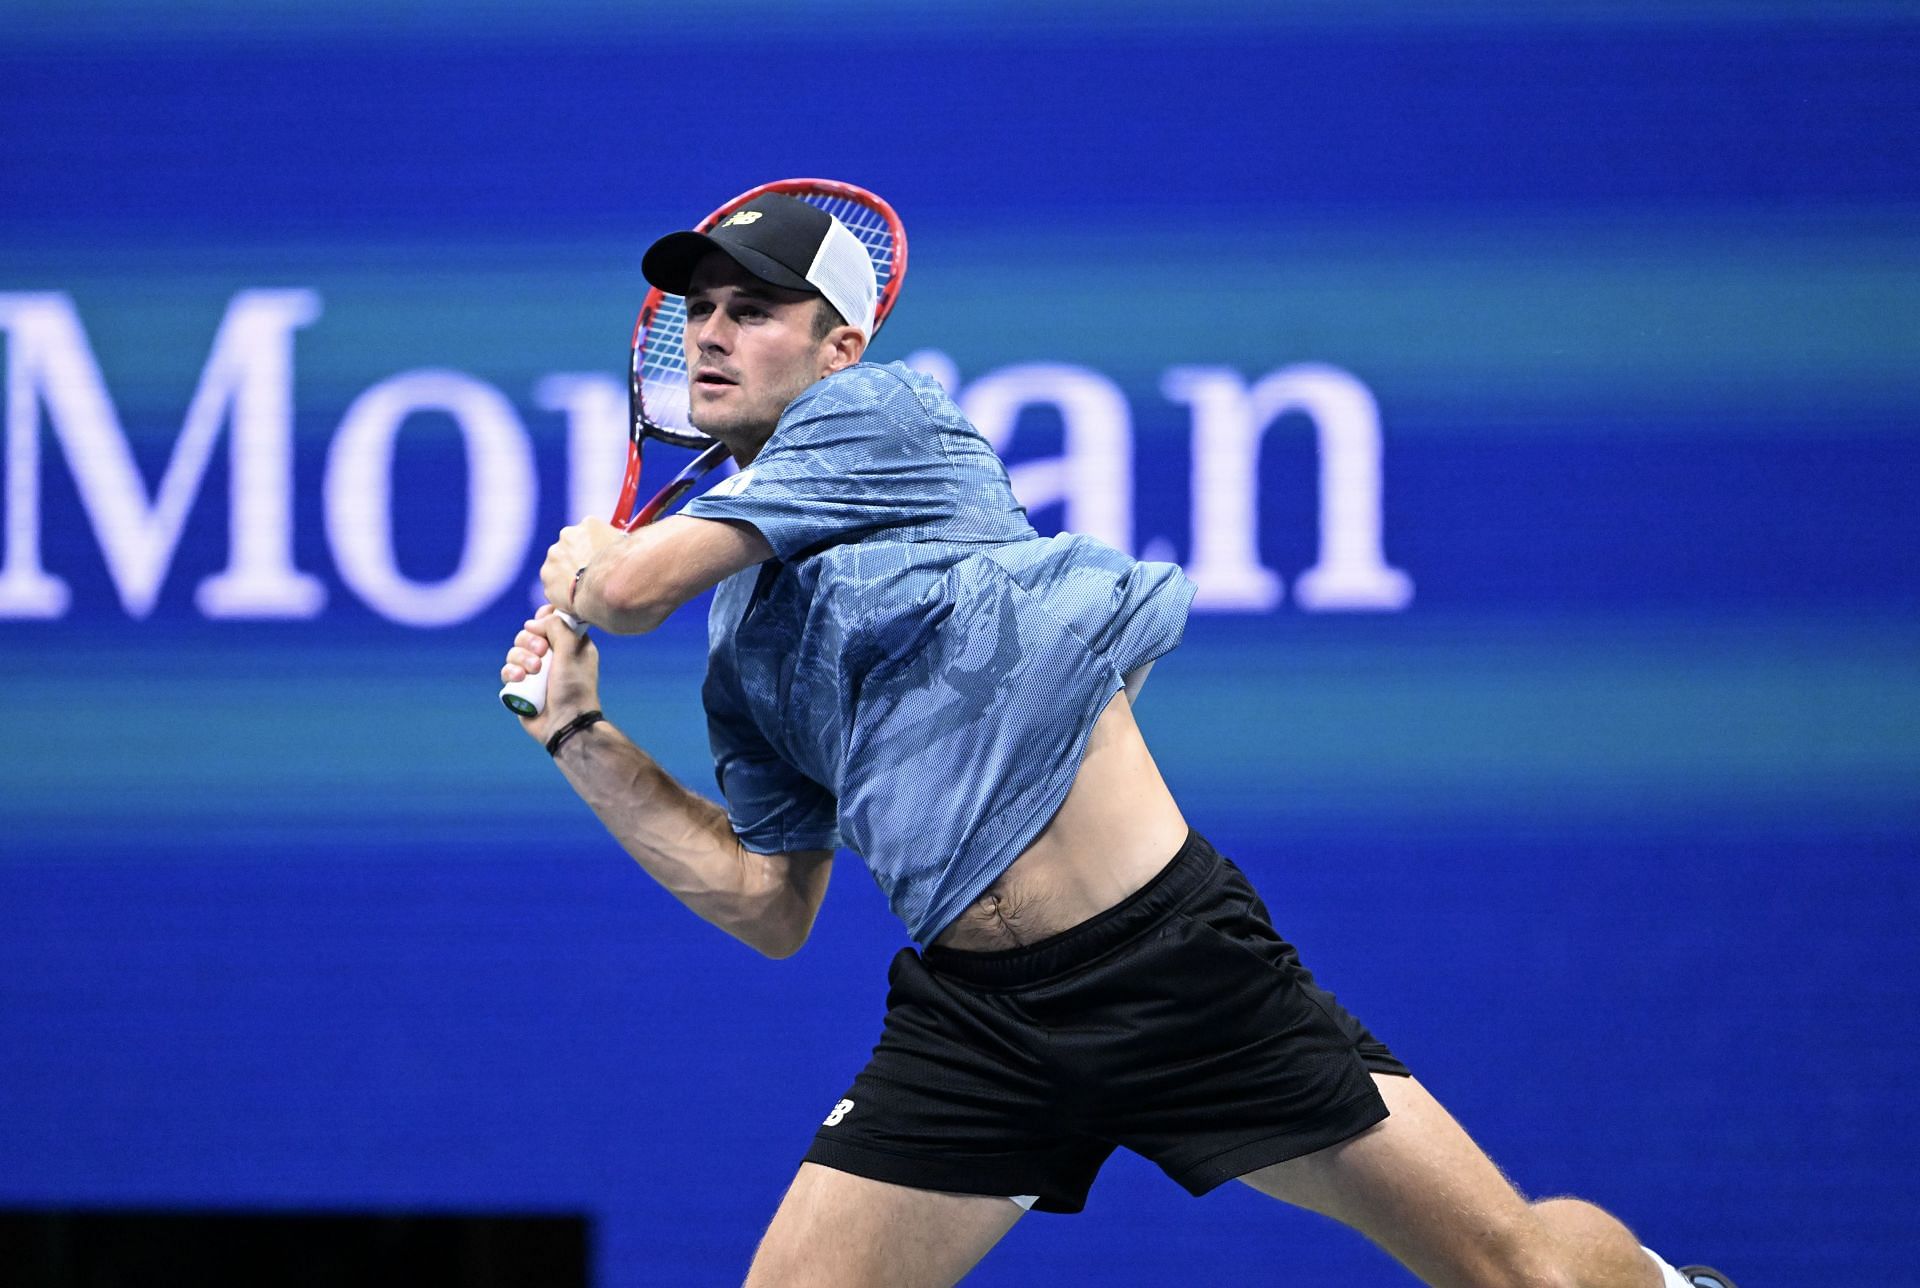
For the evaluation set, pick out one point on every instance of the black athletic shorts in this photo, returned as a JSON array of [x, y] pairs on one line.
[[1177, 1024]]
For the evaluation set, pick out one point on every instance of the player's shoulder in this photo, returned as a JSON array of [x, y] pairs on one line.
[[890, 387]]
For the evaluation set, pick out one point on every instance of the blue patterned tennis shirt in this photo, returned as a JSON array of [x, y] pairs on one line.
[[916, 670]]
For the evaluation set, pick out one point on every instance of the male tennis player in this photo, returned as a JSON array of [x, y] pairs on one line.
[[899, 663]]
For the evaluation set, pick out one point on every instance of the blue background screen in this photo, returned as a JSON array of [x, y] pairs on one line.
[[1531, 390]]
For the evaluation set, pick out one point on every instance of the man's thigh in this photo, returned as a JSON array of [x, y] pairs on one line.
[[837, 1230], [1418, 1186]]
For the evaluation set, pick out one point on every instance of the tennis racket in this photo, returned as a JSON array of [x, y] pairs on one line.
[[657, 371]]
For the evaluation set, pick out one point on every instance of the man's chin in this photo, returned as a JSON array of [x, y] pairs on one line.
[[729, 427], [708, 415]]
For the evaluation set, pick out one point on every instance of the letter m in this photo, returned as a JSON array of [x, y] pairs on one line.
[[247, 382]]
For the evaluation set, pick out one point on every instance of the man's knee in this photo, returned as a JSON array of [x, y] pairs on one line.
[[1568, 1243], [1527, 1252]]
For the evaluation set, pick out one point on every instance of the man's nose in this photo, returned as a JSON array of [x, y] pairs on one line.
[[713, 331]]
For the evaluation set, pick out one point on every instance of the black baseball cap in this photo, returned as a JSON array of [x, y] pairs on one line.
[[781, 240]]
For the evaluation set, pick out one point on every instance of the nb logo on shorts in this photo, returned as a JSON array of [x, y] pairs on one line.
[[839, 1111]]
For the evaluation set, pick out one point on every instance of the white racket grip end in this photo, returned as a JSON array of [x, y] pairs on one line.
[[528, 697]]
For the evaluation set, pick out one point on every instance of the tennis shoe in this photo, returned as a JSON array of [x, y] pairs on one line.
[[1705, 1277]]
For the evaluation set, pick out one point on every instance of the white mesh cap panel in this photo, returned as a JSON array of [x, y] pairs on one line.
[[843, 272]]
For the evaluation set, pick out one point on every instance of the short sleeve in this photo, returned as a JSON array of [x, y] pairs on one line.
[[857, 453], [773, 807]]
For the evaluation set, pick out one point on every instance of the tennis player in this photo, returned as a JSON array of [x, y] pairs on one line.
[[900, 665]]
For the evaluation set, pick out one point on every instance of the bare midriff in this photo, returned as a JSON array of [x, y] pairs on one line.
[[1117, 828]]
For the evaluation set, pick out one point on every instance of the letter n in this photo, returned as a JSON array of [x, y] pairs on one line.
[[1229, 419]]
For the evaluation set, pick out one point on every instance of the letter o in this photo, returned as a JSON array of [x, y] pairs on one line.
[[358, 497]]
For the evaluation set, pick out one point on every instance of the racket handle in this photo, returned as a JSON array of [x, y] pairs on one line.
[[528, 697]]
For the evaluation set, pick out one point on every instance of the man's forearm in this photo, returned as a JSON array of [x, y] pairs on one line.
[[631, 583], [613, 592], [685, 842]]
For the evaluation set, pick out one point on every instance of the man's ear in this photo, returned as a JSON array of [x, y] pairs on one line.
[[845, 347]]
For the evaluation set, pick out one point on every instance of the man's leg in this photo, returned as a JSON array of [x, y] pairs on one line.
[[1418, 1186], [837, 1230]]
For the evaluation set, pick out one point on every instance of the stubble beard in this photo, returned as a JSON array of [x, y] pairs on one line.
[[745, 429]]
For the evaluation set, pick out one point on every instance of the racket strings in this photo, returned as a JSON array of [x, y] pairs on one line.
[[870, 226], [663, 367]]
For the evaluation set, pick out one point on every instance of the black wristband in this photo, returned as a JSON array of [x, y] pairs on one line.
[[571, 728]]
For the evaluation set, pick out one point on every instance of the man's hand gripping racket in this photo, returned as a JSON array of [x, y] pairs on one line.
[[657, 376]]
